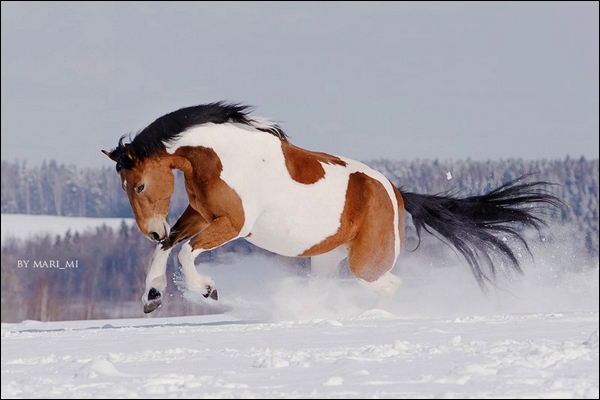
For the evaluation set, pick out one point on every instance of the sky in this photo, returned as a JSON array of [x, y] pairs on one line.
[[365, 80], [277, 334]]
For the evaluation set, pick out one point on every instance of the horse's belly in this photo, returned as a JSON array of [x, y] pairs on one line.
[[291, 218], [290, 234], [288, 217]]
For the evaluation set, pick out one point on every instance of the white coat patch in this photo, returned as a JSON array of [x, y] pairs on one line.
[[282, 215]]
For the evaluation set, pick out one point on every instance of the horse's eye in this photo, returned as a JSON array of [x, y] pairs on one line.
[[140, 188]]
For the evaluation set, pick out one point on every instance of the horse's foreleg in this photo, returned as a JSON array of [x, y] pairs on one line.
[[189, 224], [186, 227], [217, 233], [156, 279], [193, 280]]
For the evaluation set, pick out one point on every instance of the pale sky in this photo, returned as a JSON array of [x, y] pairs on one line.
[[366, 80]]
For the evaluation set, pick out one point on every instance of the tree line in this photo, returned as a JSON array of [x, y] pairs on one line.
[[66, 190], [107, 279]]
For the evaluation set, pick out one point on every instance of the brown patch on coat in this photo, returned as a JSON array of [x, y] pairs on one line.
[[305, 166], [189, 224], [215, 201], [366, 227]]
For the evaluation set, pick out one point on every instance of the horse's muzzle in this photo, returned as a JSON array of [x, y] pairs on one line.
[[155, 236], [158, 230]]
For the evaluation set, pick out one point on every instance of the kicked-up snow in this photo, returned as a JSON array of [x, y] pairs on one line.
[[281, 335]]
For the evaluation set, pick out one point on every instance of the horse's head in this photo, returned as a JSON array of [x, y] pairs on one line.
[[149, 184]]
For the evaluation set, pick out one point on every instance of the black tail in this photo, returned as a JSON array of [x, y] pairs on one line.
[[473, 225]]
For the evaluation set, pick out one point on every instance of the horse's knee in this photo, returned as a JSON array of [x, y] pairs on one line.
[[168, 243]]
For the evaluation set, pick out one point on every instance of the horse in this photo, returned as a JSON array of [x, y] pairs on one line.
[[245, 179]]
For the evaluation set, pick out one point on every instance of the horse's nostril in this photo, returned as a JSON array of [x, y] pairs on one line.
[[155, 236]]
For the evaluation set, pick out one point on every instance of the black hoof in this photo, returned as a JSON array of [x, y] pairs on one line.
[[212, 293], [153, 294], [154, 301], [148, 308]]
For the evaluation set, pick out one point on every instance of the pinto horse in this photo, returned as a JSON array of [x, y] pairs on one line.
[[245, 179]]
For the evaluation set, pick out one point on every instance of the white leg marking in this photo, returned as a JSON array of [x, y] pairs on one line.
[[193, 280], [386, 286], [157, 277], [327, 265]]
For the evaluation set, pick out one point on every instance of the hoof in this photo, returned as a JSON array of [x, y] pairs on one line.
[[153, 305], [212, 293], [154, 301]]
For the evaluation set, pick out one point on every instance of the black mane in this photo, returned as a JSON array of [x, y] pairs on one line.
[[169, 127]]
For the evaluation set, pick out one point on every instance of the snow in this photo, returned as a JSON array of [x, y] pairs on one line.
[[280, 334]]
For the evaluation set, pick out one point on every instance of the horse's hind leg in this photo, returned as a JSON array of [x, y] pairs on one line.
[[372, 266], [327, 265], [375, 222]]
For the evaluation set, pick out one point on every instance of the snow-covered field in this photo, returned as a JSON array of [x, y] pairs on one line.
[[281, 335]]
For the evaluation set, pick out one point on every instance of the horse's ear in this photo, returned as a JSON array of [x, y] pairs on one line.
[[130, 153], [109, 155]]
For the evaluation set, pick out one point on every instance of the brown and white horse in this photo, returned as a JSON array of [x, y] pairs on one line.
[[244, 179]]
